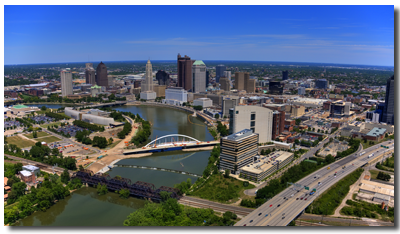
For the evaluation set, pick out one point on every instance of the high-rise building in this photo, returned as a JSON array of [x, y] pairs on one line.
[[147, 91], [199, 76], [90, 74], [256, 118], [388, 111], [225, 84], [185, 72], [207, 77], [241, 79], [278, 123], [175, 96], [228, 75], [238, 150], [162, 77], [321, 84], [301, 91], [285, 75], [101, 75], [229, 102], [250, 86], [66, 82], [339, 109], [275, 88], [219, 72]]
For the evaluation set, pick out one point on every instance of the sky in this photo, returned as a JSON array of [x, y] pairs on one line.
[[361, 35]]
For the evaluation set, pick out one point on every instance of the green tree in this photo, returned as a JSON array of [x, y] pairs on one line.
[[226, 175], [124, 193], [216, 116], [65, 177]]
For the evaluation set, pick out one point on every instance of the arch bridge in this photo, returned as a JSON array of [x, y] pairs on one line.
[[172, 140]]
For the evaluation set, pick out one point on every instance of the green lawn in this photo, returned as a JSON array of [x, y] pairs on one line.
[[39, 134], [49, 139], [50, 124], [374, 174], [221, 189], [19, 142]]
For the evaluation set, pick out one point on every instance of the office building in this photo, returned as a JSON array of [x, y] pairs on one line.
[[278, 123], [266, 165], [339, 109], [295, 110], [242, 80], [175, 96], [321, 84], [185, 72], [228, 75], [162, 77], [301, 91], [207, 77], [229, 102], [203, 102], [225, 84], [251, 86], [159, 90], [110, 81], [147, 92], [199, 76], [256, 118], [238, 150], [90, 74], [219, 72], [285, 75], [388, 111], [66, 82], [94, 90], [90, 116], [275, 88], [101, 75]]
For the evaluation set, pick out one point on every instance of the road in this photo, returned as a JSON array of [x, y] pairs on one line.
[[285, 206], [43, 166], [308, 154]]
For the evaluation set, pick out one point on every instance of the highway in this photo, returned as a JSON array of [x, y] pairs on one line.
[[285, 206]]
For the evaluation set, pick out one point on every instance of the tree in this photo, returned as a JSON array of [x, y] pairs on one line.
[[298, 121], [226, 175], [102, 189], [124, 193], [110, 140], [65, 177], [43, 108], [216, 116]]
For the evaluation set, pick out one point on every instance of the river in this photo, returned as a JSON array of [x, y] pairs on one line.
[[85, 208]]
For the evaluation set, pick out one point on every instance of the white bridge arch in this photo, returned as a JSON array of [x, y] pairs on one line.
[[172, 136]]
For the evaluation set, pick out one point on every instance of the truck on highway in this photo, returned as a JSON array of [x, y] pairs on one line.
[[329, 168], [362, 153], [312, 193], [371, 155]]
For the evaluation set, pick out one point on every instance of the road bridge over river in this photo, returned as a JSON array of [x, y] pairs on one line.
[[170, 143]]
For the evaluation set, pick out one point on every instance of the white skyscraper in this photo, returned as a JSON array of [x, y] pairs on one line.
[[147, 92], [199, 76], [66, 82]]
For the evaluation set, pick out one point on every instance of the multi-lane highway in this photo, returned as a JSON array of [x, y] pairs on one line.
[[285, 206]]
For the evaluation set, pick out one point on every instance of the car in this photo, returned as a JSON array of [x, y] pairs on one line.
[[251, 221], [283, 214], [279, 205], [297, 198], [283, 217], [301, 198], [245, 225], [305, 199], [335, 176], [259, 214], [284, 198], [315, 177], [270, 205], [266, 215]]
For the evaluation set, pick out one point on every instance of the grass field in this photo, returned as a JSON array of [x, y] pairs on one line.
[[20, 142], [113, 144], [50, 124], [49, 139], [39, 134]]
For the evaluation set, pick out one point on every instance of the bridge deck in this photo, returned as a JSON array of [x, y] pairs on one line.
[[171, 147]]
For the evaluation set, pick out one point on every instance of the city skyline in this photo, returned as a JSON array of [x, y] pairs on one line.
[[359, 35]]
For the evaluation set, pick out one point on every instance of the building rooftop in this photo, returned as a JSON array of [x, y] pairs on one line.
[[376, 187], [20, 106], [199, 63], [376, 132], [25, 173], [30, 167], [266, 162], [239, 135]]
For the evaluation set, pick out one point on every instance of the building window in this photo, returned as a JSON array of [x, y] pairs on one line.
[[253, 116], [252, 123], [237, 112], [253, 129]]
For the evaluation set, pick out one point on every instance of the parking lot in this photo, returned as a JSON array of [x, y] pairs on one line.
[[11, 123], [42, 119], [68, 148], [70, 129]]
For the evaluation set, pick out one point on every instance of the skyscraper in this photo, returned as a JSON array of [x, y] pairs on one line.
[[241, 79], [388, 111], [101, 75], [90, 74], [285, 75], [321, 84], [147, 92], [162, 77], [66, 82], [225, 84], [199, 76], [275, 88], [207, 77], [219, 72], [185, 72]]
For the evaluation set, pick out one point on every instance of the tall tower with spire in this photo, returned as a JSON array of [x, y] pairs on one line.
[[147, 92]]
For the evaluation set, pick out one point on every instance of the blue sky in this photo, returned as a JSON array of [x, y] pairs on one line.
[[327, 34]]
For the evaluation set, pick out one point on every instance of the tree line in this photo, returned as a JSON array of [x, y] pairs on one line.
[[91, 127], [56, 116]]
